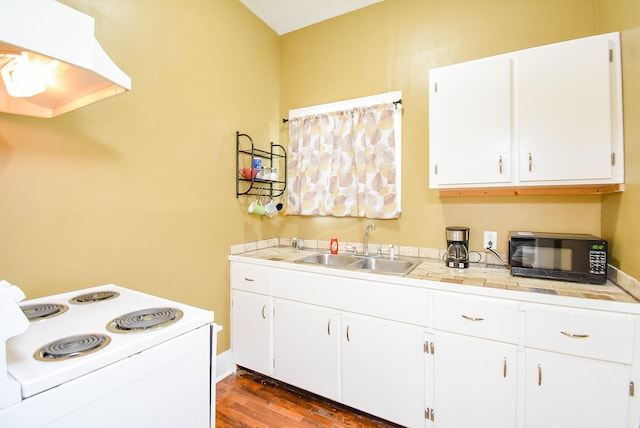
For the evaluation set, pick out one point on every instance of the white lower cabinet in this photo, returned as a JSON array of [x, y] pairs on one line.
[[306, 347], [251, 317], [578, 367], [251, 330], [383, 369], [431, 358], [476, 361], [565, 391], [475, 382], [370, 364]]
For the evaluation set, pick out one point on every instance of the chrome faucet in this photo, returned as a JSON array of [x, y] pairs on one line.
[[366, 238]]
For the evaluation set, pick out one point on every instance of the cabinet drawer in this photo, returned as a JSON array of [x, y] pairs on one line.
[[583, 332], [476, 316], [248, 277]]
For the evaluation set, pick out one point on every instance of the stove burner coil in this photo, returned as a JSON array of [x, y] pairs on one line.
[[98, 296], [144, 320], [71, 347], [40, 311]]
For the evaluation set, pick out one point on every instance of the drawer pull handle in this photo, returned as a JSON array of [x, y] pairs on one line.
[[329, 327], [575, 336], [264, 317], [467, 317], [539, 375], [504, 368], [249, 279], [348, 339]]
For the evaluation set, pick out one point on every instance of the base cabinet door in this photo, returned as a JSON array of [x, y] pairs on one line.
[[383, 369], [306, 347], [474, 382], [566, 391], [251, 330]]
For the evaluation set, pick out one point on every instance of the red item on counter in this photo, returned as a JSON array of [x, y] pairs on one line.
[[334, 245]]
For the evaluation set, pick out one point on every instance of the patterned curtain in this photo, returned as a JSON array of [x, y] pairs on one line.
[[343, 164]]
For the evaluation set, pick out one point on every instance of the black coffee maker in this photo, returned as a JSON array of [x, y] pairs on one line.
[[457, 247]]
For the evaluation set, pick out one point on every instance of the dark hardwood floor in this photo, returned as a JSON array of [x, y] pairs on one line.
[[248, 399]]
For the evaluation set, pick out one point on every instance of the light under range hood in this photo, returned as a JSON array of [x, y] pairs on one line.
[[52, 48]]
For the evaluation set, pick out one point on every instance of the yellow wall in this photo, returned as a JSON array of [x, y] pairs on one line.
[[620, 212], [139, 189], [392, 45]]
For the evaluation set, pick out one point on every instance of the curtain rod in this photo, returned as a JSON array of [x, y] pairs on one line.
[[285, 120]]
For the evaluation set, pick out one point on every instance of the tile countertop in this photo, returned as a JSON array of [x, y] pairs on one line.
[[477, 275]]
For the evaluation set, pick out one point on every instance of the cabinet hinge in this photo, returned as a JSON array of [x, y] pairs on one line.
[[428, 347], [435, 86], [632, 389], [435, 170], [613, 159], [429, 414], [610, 55]]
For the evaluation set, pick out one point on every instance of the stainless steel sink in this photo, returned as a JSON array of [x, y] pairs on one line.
[[354, 262], [387, 265], [328, 259]]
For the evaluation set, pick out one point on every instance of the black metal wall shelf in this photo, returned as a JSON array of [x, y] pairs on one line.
[[246, 152]]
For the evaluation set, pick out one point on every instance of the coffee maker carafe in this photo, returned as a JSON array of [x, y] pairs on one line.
[[457, 247]]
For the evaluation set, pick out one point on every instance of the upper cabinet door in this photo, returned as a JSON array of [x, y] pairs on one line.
[[565, 103], [470, 123]]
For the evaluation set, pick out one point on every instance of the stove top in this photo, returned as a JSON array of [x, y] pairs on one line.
[[74, 333]]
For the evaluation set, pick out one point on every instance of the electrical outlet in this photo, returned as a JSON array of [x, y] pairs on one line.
[[490, 240]]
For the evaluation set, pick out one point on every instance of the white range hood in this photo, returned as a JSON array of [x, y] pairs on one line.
[[50, 60]]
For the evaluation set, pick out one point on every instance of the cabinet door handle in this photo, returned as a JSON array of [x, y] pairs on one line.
[[500, 163], [249, 279], [504, 367], [348, 339], [470, 318], [530, 162], [575, 336], [329, 327], [264, 317], [539, 375]]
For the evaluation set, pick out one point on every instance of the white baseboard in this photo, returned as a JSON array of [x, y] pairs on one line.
[[224, 365]]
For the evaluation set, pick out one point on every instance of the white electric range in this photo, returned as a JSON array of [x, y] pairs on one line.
[[105, 356]]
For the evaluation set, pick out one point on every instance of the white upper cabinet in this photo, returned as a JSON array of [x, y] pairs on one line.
[[565, 111], [545, 116], [470, 107]]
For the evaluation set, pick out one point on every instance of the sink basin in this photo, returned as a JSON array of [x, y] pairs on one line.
[[387, 265], [328, 259], [373, 264]]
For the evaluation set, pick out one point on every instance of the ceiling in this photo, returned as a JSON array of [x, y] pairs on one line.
[[284, 16]]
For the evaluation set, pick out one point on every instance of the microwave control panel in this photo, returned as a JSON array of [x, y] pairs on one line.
[[598, 262]]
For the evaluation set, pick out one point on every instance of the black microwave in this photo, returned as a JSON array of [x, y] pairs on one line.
[[560, 256]]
